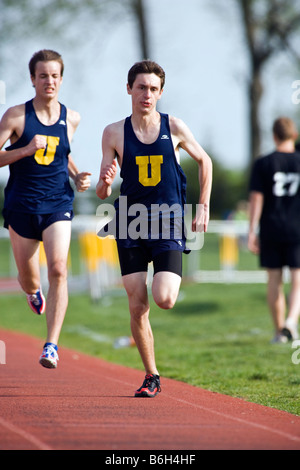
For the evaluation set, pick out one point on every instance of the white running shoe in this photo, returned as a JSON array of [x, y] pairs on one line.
[[49, 356]]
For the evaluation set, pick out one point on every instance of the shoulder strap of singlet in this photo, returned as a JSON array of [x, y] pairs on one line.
[[128, 125], [63, 112], [165, 122], [29, 107]]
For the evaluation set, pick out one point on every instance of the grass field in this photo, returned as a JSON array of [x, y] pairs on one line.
[[217, 337]]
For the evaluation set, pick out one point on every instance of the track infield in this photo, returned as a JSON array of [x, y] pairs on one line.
[[88, 404]]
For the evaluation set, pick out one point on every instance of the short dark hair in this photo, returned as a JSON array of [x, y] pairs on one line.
[[146, 66], [284, 129], [45, 55]]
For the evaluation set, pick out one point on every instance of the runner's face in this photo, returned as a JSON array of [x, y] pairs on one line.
[[47, 79], [145, 92]]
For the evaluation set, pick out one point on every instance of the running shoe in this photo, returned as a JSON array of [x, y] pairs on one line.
[[279, 338], [150, 387], [290, 332], [49, 356], [37, 302]]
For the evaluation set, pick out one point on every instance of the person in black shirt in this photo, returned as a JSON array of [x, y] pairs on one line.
[[274, 229]]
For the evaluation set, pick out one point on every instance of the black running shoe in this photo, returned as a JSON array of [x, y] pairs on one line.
[[150, 387], [290, 333], [286, 334]]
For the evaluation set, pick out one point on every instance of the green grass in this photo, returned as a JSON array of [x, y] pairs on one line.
[[5, 257], [217, 337]]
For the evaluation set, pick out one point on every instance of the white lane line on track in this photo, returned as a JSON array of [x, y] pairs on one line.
[[24, 434], [243, 421], [268, 429]]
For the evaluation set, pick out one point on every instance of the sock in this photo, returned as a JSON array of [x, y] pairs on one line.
[[35, 293], [290, 323], [51, 344]]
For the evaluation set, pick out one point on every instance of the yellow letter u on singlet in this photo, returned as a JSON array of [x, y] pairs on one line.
[[46, 156], [155, 162]]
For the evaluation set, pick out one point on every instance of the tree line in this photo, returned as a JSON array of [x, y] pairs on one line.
[[269, 27]]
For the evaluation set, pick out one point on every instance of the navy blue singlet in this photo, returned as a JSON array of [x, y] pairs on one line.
[[151, 174], [39, 184]]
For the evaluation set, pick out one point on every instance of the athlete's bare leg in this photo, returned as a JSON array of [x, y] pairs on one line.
[[165, 289], [136, 288], [26, 253], [294, 298], [56, 240], [276, 298]]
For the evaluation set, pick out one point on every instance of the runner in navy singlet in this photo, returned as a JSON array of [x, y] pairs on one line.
[[150, 210], [274, 231], [49, 189], [38, 196]]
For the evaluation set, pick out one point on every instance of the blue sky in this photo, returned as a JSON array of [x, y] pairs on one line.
[[202, 51]]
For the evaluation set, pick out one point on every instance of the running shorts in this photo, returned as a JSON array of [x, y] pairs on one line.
[[136, 259], [32, 225], [276, 255]]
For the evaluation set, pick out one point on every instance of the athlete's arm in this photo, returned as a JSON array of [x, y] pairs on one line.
[[11, 128], [73, 120], [183, 137], [256, 203], [81, 179], [108, 169]]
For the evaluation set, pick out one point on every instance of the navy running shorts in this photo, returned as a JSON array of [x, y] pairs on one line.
[[32, 225]]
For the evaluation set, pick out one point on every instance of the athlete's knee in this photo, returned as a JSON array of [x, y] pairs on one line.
[[139, 309], [166, 303], [164, 296], [165, 288], [165, 299], [57, 270]]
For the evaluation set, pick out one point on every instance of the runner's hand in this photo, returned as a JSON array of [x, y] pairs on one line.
[[37, 142], [108, 173], [82, 181], [201, 220]]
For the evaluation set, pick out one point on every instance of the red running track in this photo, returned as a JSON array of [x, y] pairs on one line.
[[87, 404]]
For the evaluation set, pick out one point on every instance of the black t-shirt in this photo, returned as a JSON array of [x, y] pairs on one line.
[[277, 177]]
